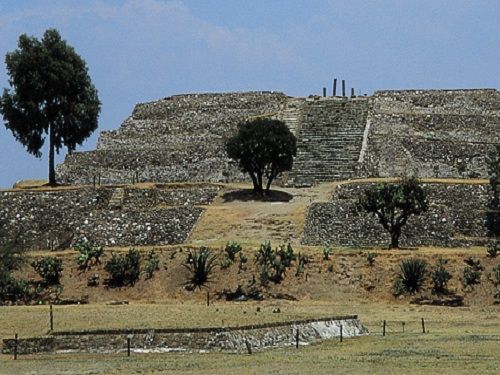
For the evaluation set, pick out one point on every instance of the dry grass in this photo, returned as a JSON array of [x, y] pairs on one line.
[[460, 341]]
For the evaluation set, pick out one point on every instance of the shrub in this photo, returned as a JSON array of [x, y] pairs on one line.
[[495, 275], [440, 276], [274, 262], [303, 260], [200, 264], [472, 271], [124, 269], [242, 261], [492, 248], [229, 256], [411, 276], [88, 253], [49, 268], [327, 251], [370, 258], [152, 264], [231, 249], [93, 280]]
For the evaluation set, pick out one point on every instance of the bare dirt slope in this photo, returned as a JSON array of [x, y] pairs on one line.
[[254, 221]]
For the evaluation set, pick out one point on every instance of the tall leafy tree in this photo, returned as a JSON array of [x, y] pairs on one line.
[[394, 204], [263, 148], [51, 96]]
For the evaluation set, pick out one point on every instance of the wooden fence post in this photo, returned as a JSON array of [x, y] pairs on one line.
[[403, 327], [297, 339], [423, 326], [383, 329], [341, 333], [51, 318], [249, 347], [208, 298], [15, 346], [128, 346]]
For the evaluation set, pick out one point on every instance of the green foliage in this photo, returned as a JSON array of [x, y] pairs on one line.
[[492, 248], [327, 251], [263, 148], [89, 254], [495, 275], [200, 264], [274, 263], [49, 268], [411, 276], [230, 251], [472, 271], [242, 261], [93, 280], [52, 96], [440, 276], [124, 269], [152, 264], [12, 257], [394, 204], [303, 260], [370, 258]]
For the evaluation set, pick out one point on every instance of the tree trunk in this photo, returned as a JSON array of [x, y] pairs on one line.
[[254, 180], [259, 183], [395, 234], [52, 173]]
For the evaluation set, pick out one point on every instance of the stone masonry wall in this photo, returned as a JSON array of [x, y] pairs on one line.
[[431, 133], [111, 216], [232, 339], [179, 138], [456, 217]]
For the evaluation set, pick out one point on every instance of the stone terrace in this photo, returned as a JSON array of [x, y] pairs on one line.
[[431, 133]]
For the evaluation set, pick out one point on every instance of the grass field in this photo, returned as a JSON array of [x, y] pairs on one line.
[[459, 340]]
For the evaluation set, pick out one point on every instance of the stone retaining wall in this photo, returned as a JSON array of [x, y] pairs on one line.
[[110, 216], [456, 217], [229, 339]]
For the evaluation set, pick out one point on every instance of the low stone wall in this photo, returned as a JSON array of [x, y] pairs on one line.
[[110, 216], [456, 217], [228, 339]]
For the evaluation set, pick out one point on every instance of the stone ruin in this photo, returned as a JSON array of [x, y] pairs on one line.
[[425, 133]]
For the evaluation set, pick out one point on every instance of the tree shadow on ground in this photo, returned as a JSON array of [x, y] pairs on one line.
[[246, 195]]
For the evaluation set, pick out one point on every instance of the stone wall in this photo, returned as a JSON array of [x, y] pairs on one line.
[[111, 216], [179, 138], [426, 133], [431, 133], [456, 217], [229, 339]]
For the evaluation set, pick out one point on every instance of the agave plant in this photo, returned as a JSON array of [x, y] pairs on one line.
[[200, 264], [412, 275]]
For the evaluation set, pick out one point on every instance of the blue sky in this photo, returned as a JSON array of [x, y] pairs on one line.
[[141, 50]]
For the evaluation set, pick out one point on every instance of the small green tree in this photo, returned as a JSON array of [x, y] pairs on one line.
[[124, 269], [200, 264], [394, 204], [49, 268], [52, 95], [263, 148]]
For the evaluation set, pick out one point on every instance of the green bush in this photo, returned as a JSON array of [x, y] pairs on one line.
[[274, 262], [124, 269], [231, 249], [495, 275], [200, 264], [492, 248], [327, 251], [89, 254], [152, 264], [370, 258], [472, 271], [49, 268], [440, 276], [411, 276]]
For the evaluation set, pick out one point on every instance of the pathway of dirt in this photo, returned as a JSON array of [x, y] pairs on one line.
[[253, 222]]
